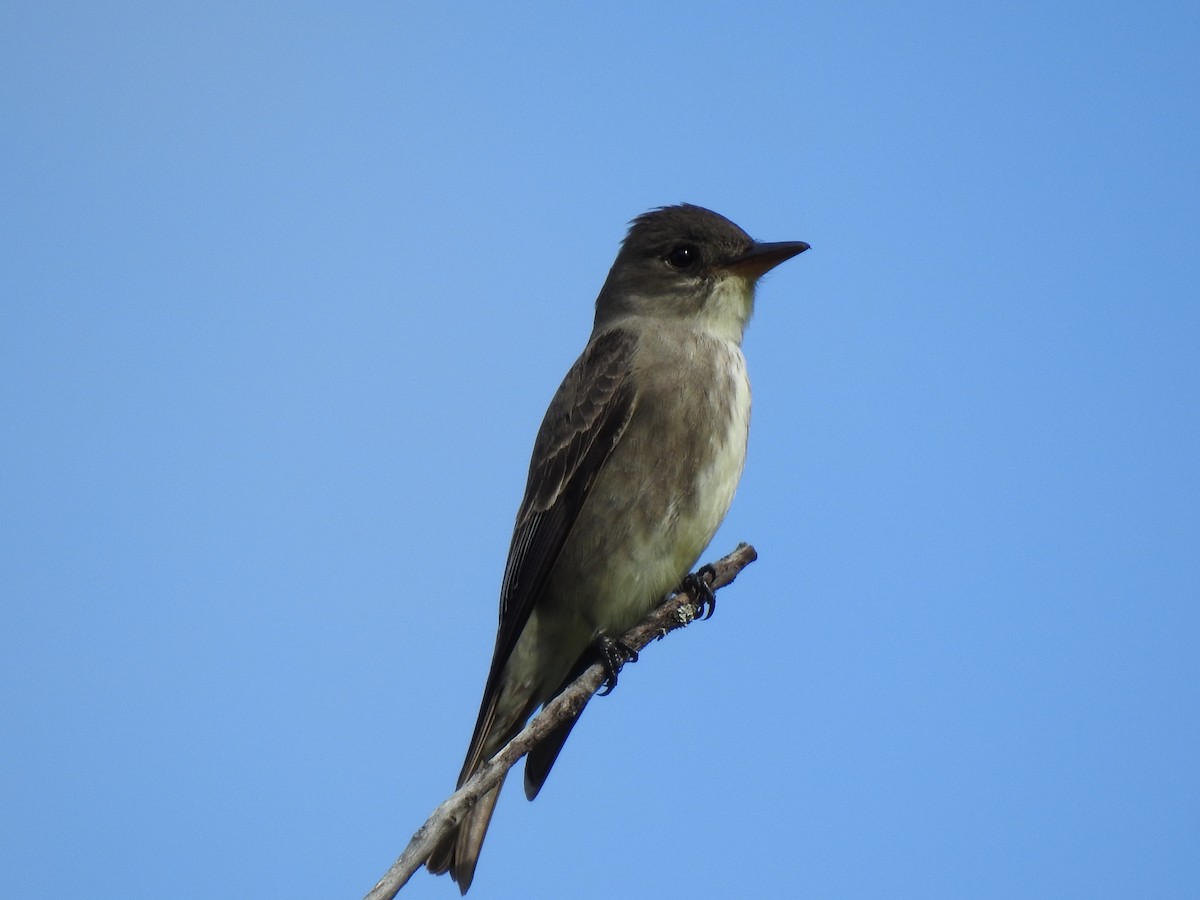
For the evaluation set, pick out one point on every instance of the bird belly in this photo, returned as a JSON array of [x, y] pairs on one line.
[[661, 496]]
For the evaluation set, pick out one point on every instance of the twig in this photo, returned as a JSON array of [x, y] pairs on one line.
[[675, 612]]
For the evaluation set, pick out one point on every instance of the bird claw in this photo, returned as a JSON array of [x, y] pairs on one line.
[[614, 653], [699, 585]]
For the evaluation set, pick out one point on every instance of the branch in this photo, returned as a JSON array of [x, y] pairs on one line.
[[675, 612]]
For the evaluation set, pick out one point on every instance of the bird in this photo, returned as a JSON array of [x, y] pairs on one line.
[[633, 469]]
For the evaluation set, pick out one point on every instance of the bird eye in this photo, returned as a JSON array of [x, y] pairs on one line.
[[683, 256]]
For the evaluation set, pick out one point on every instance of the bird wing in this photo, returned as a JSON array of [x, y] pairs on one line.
[[585, 421]]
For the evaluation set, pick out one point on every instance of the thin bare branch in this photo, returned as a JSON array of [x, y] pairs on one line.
[[675, 612]]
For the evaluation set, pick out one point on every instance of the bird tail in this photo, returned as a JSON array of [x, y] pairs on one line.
[[458, 851], [541, 758]]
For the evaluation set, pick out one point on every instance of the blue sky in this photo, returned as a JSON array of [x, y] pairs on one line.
[[287, 288]]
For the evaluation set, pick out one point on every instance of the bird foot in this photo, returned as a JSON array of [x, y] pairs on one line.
[[613, 653], [699, 585]]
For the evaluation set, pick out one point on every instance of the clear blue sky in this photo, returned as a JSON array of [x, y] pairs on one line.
[[287, 286]]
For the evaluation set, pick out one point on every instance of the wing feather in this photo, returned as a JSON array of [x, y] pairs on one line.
[[585, 421]]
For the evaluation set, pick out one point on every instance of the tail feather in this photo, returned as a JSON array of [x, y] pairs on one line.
[[540, 759], [458, 852]]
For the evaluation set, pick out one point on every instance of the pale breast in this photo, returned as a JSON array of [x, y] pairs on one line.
[[668, 484], [716, 482]]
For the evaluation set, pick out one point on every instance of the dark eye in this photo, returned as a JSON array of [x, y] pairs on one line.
[[683, 256]]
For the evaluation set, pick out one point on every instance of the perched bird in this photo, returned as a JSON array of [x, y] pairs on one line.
[[633, 469]]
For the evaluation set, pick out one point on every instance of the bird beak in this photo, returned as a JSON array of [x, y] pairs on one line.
[[761, 258]]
